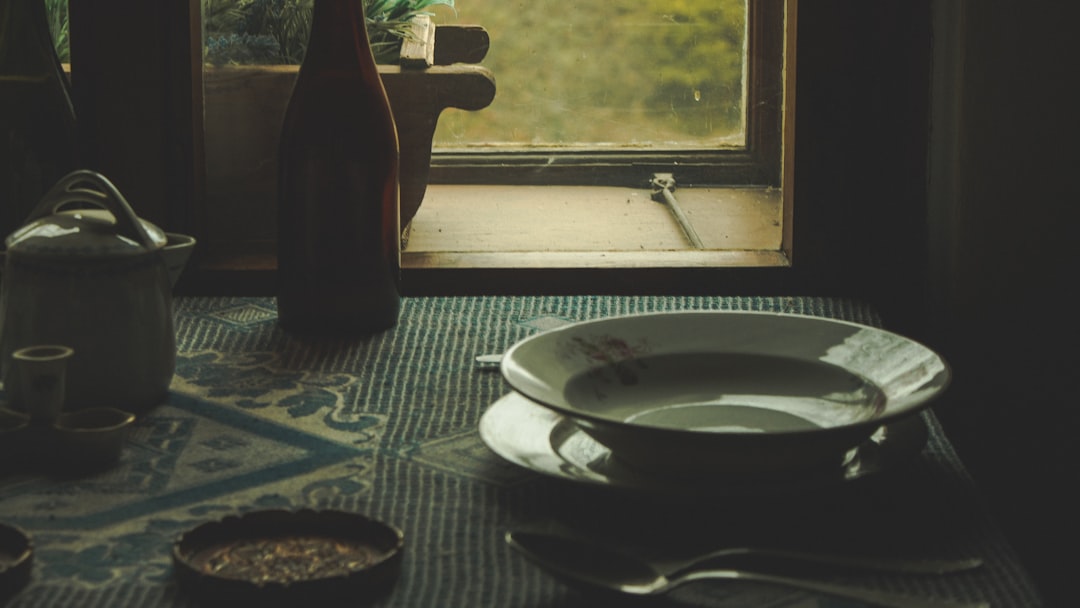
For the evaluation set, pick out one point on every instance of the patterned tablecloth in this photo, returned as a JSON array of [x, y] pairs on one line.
[[387, 427]]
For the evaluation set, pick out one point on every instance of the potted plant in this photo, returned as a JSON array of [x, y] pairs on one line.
[[252, 52], [275, 31]]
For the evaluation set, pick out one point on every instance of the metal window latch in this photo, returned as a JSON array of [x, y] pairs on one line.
[[663, 191]]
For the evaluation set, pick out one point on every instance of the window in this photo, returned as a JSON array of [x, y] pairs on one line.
[[859, 175], [619, 87], [604, 97], [693, 90], [609, 93], [709, 113]]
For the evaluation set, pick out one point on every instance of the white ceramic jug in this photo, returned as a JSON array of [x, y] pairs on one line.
[[86, 272]]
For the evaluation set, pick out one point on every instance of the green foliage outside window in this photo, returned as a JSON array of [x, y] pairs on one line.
[[271, 31], [659, 74], [622, 71], [275, 31], [701, 62], [58, 25]]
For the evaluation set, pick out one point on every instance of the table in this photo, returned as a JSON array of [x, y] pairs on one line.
[[387, 427]]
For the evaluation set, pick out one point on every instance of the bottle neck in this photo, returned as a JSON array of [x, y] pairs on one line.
[[339, 36]]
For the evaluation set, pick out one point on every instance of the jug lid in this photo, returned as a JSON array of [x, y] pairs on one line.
[[82, 232], [84, 215]]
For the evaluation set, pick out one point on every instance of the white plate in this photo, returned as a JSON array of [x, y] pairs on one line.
[[750, 393], [539, 439]]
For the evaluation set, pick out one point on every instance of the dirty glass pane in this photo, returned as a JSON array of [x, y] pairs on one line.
[[652, 74], [637, 74]]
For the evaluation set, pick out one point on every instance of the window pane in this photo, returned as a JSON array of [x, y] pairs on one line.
[[651, 74], [618, 74], [57, 10]]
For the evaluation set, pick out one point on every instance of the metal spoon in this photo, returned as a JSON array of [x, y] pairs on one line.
[[576, 562], [861, 563], [785, 558]]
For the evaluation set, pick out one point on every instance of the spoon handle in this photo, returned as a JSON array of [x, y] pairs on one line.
[[491, 361], [847, 562], [869, 596]]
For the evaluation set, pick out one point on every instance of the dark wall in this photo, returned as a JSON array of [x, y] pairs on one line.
[[935, 159], [1002, 238], [862, 91]]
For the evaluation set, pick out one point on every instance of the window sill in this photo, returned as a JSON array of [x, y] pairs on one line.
[[592, 227], [469, 239], [526, 239]]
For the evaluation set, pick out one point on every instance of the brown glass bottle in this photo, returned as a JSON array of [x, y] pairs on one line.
[[37, 120], [338, 258]]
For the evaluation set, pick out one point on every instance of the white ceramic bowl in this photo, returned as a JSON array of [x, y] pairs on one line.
[[743, 393]]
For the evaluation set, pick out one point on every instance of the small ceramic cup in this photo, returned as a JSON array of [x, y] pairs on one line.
[[91, 438], [42, 370]]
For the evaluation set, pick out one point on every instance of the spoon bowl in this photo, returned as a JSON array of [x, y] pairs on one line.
[[594, 567]]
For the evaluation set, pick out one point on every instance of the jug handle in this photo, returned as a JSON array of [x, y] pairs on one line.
[[73, 188]]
